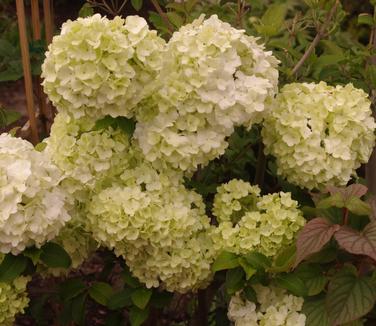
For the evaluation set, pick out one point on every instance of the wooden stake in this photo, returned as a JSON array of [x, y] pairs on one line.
[[27, 70], [45, 110], [48, 21]]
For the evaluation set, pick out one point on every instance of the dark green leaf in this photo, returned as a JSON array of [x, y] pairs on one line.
[[258, 260], [225, 260], [33, 253], [137, 316], [101, 292], [78, 309], [247, 267], [315, 311], [175, 19], [137, 4], [292, 283], [55, 256], [250, 294], [71, 288], [141, 297], [284, 260], [235, 280], [120, 300], [127, 125], [12, 267], [349, 296], [86, 10], [313, 278], [130, 280]]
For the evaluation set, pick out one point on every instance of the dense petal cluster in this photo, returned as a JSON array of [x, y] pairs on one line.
[[275, 307], [99, 67], [319, 134], [33, 207], [214, 77], [13, 299], [157, 225], [248, 221], [85, 153]]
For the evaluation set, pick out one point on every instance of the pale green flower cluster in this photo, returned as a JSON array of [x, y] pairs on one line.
[[33, 207], [275, 307], [85, 154], [157, 225], [248, 221], [99, 67], [319, 134], [214, 78], [13, 299]]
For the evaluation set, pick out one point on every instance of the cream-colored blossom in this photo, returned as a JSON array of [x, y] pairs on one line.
[[33, 206], [99, 67], [319, 134], [214, 78], [250, 222], [13, 299], [275, 307]]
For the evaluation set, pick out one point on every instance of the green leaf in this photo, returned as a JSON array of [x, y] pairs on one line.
[[365, 19], [101, 292], [335, 200], [358, 206], [313, 237], [114, 319], [358, 243], [313, 278], [53, 255], [234, 280], [258, 260], [78, 309], [250, 294], [120, 300], [33, 253], [349, 296], [225, 260], [71, 288], [292, 283], [140, 297], [315, 311], [247, 267], [130, 280], [271, 22], [126, 125], [136, 4], [137, 316], [9, 116], [40, 146], [86, 11], [12, 267], [284, 260], [175, 19]]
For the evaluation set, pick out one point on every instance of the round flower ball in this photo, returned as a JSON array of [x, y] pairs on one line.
[[13, 299], [250, 222], [319, 134], [86, 151], [214, 77], [275, 307], [33, 206], [98, 66]]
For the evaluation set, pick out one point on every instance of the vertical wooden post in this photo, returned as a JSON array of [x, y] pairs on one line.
[[45, 112], [27, 70], [48, 20]]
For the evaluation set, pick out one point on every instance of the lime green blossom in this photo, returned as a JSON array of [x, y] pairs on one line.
[[99, 67], [85, 154], [319, 134], [157, 225], [248, 221], [33, 206], [275, 307], [214, 77], [13, 299]]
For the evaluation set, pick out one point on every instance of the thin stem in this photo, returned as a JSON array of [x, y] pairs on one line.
[[261, 166], [320, 33], [345, 216], [163, 15]]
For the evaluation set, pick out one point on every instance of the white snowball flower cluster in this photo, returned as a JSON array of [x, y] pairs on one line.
[[214, 77], [157, 225], [319, 134], [248, 221], [13, 299], [275, 307], [85, 154], [99, 67], [33, 207]]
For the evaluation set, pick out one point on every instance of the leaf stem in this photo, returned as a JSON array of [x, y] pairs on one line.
[[320, 33], [163, 15], [345, 216], [261, 166]]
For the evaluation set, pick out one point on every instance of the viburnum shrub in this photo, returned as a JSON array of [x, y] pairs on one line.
[[148, 203]]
